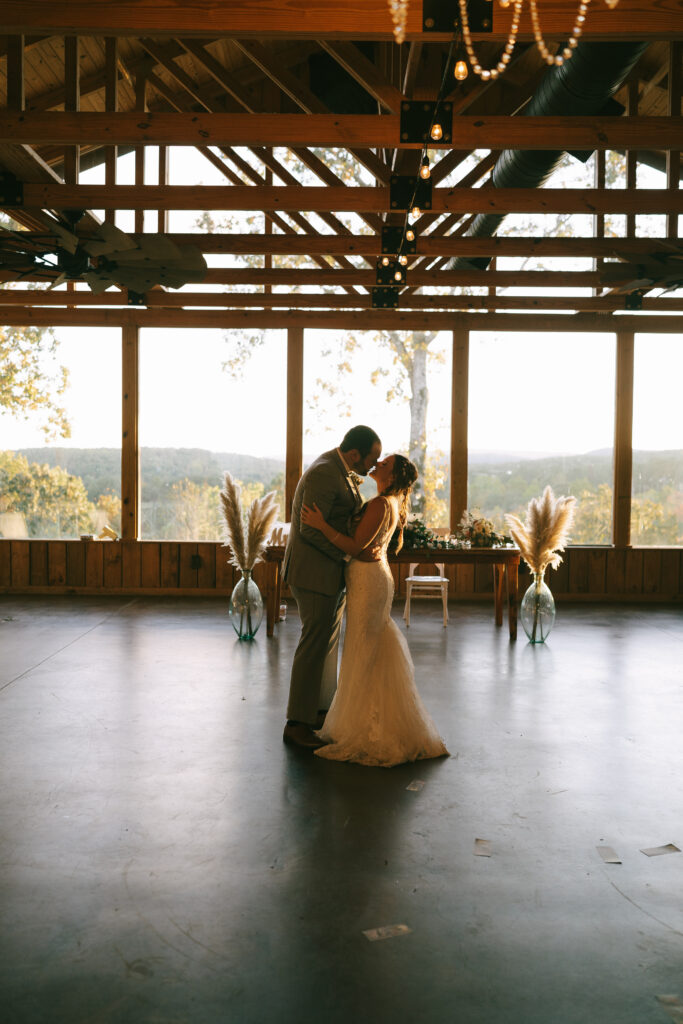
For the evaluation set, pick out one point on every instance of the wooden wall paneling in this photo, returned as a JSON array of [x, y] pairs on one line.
[[21, 565], [206, 574], [558, 579], [112, 564], [150, 564], [652, 571], [94, 562], [111, 105], [225, 572], [623, 432], [464, 579], [670, 578], [5, 563], [170, 564], [459, 422], [597, 570], [56, 563], [295, 412], [578, 571], [633, 583], [38, 575], [130, 449], [131, 563], [615, 571], [187, 576], [483, 579], [75, 563]]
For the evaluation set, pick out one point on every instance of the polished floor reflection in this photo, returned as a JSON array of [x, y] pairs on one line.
[[166, 859]]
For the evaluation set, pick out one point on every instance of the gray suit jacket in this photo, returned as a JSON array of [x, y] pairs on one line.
[[311, 561]]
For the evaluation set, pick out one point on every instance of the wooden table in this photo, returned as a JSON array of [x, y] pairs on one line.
[[504, 561]]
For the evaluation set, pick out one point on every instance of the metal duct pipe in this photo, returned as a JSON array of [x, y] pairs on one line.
[[581, 86]]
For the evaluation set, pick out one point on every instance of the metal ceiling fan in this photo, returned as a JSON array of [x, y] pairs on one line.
[[104, 257]]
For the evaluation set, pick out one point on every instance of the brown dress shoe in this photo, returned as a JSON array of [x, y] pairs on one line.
[[302, 735]]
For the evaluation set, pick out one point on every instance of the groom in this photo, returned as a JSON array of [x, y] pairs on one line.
[[314, 570]]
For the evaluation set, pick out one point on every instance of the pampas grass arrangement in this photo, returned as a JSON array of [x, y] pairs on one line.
[[540, 540], [246, 542], [548, 522], [246, 545]]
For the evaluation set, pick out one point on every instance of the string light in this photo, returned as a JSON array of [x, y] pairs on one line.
[[415, 212], [398, 276], [399, 16], [425, 171], [403, 260], [460, 71], [385, 261], [436, 132], [410, 235]]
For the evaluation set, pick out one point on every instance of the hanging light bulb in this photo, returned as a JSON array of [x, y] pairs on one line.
[[385, 261], [415, 212], [460, 71], [410, 235], [424, 169], [398, 276], [504, 3], [612, 3], [436, 132], [403, 260]]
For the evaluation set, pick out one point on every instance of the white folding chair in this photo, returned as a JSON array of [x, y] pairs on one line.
[[426, 585]]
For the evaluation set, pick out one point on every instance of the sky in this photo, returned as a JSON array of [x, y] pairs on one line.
[[188, 400]]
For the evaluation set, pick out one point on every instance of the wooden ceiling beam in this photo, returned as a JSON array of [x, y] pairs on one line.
[[348, 131], [427, 245], [331, 19], [326, 199], [158, 299], [357, 320], [349, 57]]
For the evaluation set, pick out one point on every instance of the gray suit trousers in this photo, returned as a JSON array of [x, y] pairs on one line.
[[314, 669]]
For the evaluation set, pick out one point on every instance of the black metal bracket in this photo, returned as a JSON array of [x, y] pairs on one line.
[[11, 191], [386, 272], [418, 116], [394, 240], [444, 16], [137, 298], [406, 191], [634, 300], [385, 298]]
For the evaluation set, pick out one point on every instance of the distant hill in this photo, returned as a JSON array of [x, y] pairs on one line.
[[100, 468]]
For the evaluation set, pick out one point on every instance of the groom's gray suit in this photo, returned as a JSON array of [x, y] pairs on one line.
[[314, 570]]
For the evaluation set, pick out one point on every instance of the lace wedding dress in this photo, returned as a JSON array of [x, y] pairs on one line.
[[377, 716]]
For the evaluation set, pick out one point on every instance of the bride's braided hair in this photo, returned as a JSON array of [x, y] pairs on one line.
[[403, 477]]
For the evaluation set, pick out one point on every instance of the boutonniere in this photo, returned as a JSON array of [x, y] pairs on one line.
[[355, 479]]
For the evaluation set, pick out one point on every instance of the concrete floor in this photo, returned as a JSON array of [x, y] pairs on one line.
[[166, 859]]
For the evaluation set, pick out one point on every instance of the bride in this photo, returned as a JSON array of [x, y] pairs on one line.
[[377, 716]]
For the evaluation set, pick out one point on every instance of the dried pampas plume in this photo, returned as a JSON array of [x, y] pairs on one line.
[[246, 551], [548, 522]]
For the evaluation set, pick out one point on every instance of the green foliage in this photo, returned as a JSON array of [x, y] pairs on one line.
[[52, 502], [31, 383]]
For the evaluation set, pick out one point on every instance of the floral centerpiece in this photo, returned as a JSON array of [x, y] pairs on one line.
[[540, 539], [476, 531], [246, 543], [417, 536]]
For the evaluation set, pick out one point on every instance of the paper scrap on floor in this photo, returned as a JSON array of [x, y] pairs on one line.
[[482, 848], [658, 851], [608, 855], [415, 786], [387, 931]]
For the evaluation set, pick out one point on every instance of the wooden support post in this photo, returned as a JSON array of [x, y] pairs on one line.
[[623, 441], [459, 392], [16, 98], [130, 449], [162, 215], [599, 218], [111, 105], [72, 102], [295, 418], [140, 104], [673, 156], [631, 156], [268, 230]]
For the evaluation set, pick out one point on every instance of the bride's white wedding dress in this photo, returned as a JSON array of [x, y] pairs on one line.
[[377, 716]]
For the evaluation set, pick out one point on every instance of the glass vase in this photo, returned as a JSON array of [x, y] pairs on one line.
[[537, 612], [246, 607]]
